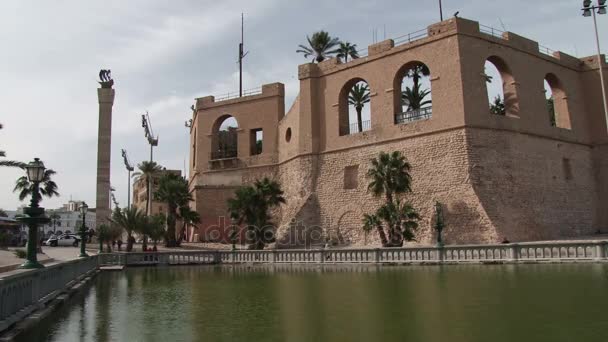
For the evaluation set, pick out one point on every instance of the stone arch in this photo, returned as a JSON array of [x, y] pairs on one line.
[[224, 137], [347, 227], [557, 102], [412, 95], [351, 119], [506, 87]]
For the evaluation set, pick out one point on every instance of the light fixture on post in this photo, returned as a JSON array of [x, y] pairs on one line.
[[588, 11], [33, 215], [83, 239]]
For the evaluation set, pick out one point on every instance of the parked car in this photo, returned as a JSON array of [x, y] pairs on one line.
[[63, 240]]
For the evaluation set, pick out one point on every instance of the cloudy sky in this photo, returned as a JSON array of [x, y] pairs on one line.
[[163, 54]]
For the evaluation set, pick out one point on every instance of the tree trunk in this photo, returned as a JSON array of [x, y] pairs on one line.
[[170, 239], [359, 119], [129, 242], [382, 235]]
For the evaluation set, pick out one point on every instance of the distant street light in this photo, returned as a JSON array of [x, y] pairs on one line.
[[83, 230], [33, 215], [588, 11]]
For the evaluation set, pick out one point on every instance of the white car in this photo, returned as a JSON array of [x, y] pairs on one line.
[[63, 240]]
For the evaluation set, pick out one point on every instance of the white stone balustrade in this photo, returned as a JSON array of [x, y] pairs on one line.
[[22, 292], [501, 253]]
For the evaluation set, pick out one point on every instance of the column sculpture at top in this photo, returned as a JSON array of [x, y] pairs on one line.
[[105, 95]]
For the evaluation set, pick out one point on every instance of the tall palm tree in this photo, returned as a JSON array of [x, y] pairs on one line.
[[46, 187], [173, 190], [498, 106], [155, 228], [252, 205], [131, 220], [320, 46], [401, 219], [189, 217], [358, 97], [147, 171], [372, 221], [414, 98], [347, 49], [54, 217], [10, 163], [417, 72], [390, 176]]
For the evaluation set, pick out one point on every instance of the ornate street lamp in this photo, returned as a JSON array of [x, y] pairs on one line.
[[33, 215], [439, 224], [83, 232], [588, 11]]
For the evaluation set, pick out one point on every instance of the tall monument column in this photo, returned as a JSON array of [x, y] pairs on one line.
[[105, 95]]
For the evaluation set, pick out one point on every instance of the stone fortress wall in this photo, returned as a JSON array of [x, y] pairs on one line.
[[513, 176]]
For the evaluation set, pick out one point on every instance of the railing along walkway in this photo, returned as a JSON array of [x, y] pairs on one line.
[[23, 292], [502, 253]]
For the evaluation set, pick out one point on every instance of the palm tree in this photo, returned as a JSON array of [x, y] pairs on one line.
[[155, 228], [173, 190], [390, 177], [347, 49], [417, 72], [131, 220], [414, 98], [321, 46], [498, 106], [54, 217], [252, 205], [401, 219], [108, 233], [46, 187], [551, 109], [9, 163], [358, 97], [372, 221], [189, 217]]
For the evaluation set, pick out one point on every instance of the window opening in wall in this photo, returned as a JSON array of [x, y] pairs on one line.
[[355, 105], [501, 88], [351, 177], [413, 85], [557, 102], [550, 103], [257, 140], [224, 140]]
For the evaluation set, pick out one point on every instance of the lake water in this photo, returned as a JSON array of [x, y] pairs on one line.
[[295, 303]]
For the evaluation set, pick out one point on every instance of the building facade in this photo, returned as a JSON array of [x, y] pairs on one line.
[[140, 194], [521, 175]]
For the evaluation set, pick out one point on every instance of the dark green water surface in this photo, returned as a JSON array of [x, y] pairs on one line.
[[294, 303]]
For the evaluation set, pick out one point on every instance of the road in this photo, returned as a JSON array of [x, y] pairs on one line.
[[63, 253]]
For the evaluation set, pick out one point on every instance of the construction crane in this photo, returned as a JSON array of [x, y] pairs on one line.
[[146, 123], [130, 169]]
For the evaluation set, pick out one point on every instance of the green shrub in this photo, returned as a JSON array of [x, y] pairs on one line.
[[20, 253]]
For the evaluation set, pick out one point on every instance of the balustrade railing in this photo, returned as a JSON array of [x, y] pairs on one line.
[[23, 292], [414, 115], [562, 251]]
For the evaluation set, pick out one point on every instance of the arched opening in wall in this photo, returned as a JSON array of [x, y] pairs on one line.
[[557, 102], [224, 138], [501, 88], [354, 107], [413, 97]]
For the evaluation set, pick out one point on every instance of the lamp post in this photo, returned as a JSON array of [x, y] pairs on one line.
[[33, 215], [83, 239], [588, 11], [440, 11]]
